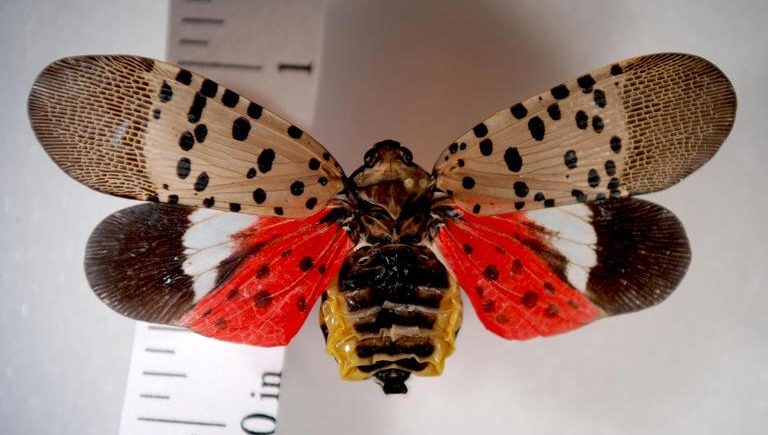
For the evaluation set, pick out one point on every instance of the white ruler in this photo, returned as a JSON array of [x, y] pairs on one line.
[[180, 382]]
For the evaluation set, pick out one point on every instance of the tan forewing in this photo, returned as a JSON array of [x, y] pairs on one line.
[[633, 127], [146, 129]]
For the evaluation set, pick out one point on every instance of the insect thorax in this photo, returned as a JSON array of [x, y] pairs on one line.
[[394, 309]]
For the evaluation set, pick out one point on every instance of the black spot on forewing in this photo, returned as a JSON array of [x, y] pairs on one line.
[[240, 129], [519, 111], [297, 188], [186, 141], [480, 130], [486, 147], [571, 159], [597, 124], [184, 77], [616, 69], [600, 98], [521, 189], [202, 182], [513, 159], [166, 93], [582, 120], [230, 98], [554, 112], [586, 82], [196, 109], [294, 132], [560, 92], [536, 127], [201, 132], [468, 182], [265, 160], [613, 184], [254, 110], [141, 248], [183, 168], [579, 195], [209, 88], [259, 195], [593, 178], [616, 144]]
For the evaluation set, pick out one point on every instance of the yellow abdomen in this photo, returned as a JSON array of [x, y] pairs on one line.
[[405, 319]]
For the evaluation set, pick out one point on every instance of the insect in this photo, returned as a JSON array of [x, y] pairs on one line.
[[250, 220]]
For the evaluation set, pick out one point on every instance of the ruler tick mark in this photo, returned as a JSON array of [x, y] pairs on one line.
[[295, 67], [203, 20], [190, 41], [227, 65], [154, 396], [171, 420], [158, 350], [165, 374]]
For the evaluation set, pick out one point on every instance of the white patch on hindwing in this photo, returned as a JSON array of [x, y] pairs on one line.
[[207, 242], [571, 234]]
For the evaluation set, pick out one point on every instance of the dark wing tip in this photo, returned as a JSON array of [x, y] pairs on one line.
[[90, 113], [642, 255], [134, 262], [679, 110]]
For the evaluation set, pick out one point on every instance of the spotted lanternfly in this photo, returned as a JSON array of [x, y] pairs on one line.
[[250, 220]]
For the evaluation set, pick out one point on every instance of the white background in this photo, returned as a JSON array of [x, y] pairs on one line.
[[421, 74]]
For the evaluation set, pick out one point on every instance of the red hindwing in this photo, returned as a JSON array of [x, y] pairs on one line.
[[511, 275], [280, 268]]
